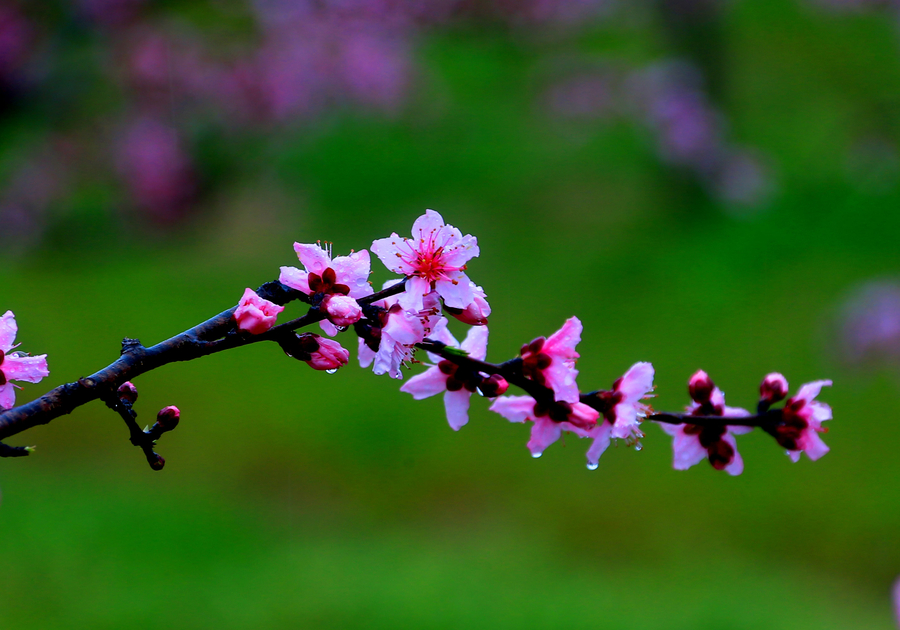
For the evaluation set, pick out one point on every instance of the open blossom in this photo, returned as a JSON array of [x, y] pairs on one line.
[[621, 409], [455, 382], [549, 423], [16, 366], [802, 419], [434, 259], [551, 361], [693, 442], [254, 314], [341, 276], [390, 342]]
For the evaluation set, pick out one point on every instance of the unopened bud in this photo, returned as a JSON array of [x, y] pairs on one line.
[[158, 463], [493, 386], [167, 418], [127, 391], [329, 356], [700, 387], [773, 388], [341, 310]]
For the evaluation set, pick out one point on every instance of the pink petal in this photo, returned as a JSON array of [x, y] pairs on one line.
[[820, 413], [562, 343], [456, 405], [429, 222], [738, 430], [391, 252], [544, 432], [687, 451], [735, 412], [8, 329], [514, 408], [441, 333], [294, 278], [365, 354], [313, 257], [811, 390], [456, 289], [404, 328], [626, 420], [353, 270], [28, 369], [7, 396], [476, 342], [561, 378], [328, 328], [794, 455], [416, 289], [461, 250], [671, 429], [601, 435], [429, 383], [813, 445], [637, 382]]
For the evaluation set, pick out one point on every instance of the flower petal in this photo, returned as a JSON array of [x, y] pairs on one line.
[[8, 329], [28, 369], [736, 466], [514, 408], [429, 383], [7, 396], [365, 354], [476, 342], [313, 257], [601, 436], [456, 405], [809, 391], [687, 451], [544, 432], [456, 289], [637, 382], [353, 270], [295, 278]]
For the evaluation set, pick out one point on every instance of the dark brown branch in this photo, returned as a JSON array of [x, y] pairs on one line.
[[214, 335]]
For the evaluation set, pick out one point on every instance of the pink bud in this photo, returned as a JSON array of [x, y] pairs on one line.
[[342, 310], [773, 388], [330, 355], [254, 314], [476, 313], [127, 391], [700, 387], [158, 463], [168, 417], [493, 386]]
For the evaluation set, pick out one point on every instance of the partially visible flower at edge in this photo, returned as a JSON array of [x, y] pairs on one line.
[[16, 366]]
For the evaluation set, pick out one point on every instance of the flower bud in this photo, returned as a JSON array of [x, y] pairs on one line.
[[493, 386], [774, 388], [700, 387], [254, 314], [476, 313], [168, 418], [128, 392], [341, 309], [329, 356], [158, 463]]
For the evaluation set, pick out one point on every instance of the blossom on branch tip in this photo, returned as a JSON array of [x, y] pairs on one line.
[[621, 409], [329, 356], [551, 361], [548, 423], [254, 314], [434, 259], [692, 443], [456, 382], [16, 366], [340, 276], [802, 419]]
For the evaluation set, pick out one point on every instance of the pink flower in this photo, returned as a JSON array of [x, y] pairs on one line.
[[693, 442], [433, 259], [397, 333], [344, 275], [548, 423], [551, 362], [802, 419], [476, 313], [621, 409], [456, 383], [254, 314], [330, 355], [16, 366]]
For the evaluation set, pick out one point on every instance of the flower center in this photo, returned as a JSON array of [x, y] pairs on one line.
[[606, 404], [792, 425], [429, 264], [459, 377], [719, 451], [534, 362], [326, 283]]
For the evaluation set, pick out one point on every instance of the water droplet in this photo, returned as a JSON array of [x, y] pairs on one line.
[[332, 371], [341, 328], [591, 466], [536, 455], [638, 447]]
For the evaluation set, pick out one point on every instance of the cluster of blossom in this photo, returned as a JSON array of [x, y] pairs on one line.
[[433, 262], [670, 101]]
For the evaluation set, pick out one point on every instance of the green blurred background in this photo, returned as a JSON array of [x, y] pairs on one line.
[[296, 499]]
